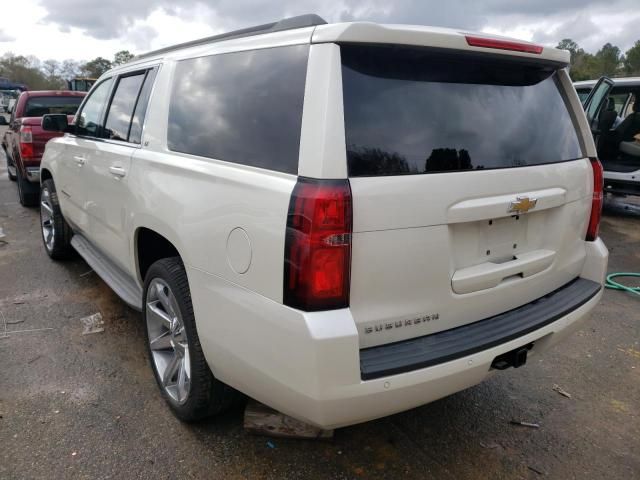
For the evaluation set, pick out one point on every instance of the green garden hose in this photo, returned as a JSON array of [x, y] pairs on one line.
[[612, 284]]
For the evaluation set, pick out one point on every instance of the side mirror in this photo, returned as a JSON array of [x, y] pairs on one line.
[[55, 122]]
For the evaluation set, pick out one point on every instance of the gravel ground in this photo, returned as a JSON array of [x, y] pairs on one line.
[[86, 406]]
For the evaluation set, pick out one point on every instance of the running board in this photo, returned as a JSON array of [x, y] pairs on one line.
[[120, 282]]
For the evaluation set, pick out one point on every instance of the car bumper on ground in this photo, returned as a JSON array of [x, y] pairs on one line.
[[308, 365]]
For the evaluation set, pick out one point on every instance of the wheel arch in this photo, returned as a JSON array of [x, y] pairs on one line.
[[45, 174], [151, 246]]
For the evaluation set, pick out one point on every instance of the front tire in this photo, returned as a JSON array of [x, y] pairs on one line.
[[181, 371], [56, 234]]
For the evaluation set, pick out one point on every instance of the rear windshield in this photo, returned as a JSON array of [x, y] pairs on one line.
[[412, 111], [39, 106]]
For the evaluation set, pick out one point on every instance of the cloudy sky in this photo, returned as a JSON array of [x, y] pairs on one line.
[[85, 29]]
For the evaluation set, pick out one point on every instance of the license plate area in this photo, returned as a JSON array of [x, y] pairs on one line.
[[493, 240]]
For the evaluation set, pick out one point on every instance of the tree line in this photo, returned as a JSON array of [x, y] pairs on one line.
[[53, 74], [609, 60]]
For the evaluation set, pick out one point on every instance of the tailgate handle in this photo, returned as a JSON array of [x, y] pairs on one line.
[[490, 274]]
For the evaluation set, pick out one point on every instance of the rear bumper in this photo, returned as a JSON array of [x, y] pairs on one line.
[[384, 396], [438, 348], [308, 365]]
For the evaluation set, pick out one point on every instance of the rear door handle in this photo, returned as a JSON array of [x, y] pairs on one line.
[[117, 171], [79, 159]]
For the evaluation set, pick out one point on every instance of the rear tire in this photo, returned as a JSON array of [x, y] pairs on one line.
[[56, 234], [28, 193], [181, 371]]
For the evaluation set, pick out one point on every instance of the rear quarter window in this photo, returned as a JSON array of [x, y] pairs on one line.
[[413, 111], [243, 107]]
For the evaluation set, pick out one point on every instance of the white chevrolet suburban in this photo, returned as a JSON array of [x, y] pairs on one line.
[[342, 221]]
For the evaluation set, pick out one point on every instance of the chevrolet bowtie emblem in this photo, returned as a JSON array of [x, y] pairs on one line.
[[522, 205]]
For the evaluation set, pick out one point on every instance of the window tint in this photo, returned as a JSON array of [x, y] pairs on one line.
[[409, 111], [243, 107], [135, 134], [122, 105], [39, 106], [90, 118]]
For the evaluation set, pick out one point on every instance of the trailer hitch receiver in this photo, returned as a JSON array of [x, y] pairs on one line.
[[514, 358]]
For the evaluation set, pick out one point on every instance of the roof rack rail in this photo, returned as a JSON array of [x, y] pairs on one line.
[[301, 21]]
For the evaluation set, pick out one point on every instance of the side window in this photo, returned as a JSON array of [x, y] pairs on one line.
[[90, 118], [135, 133], [619, 100], [241, 107], [628, 110], [122, 106]]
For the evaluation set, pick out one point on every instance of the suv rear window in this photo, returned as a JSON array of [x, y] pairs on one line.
[[411, 111], [242, 107], [39, 106]]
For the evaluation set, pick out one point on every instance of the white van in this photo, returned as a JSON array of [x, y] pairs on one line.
[[342, 221]]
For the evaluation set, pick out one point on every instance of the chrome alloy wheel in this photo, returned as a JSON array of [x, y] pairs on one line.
[[168, 340], [46, 219]]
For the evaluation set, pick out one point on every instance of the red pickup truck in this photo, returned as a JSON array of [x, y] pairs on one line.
[[24, 140]]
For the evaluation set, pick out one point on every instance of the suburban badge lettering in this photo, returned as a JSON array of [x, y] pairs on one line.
[[401, 323]]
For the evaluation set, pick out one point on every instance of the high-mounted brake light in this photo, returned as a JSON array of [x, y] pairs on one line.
[[26, 142], [596, 202], [503, 44], [318, 245]]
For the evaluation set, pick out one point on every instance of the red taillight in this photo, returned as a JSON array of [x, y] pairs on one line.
[[26, 142], [503, 44], [596, 203], [318, 245]]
